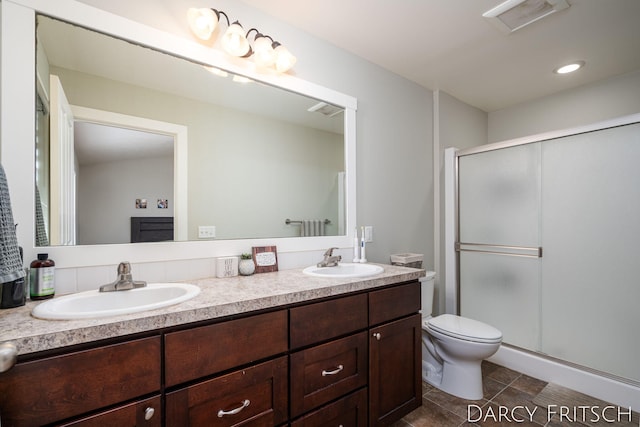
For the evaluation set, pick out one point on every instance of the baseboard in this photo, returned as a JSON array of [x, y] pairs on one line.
[[601, 387]]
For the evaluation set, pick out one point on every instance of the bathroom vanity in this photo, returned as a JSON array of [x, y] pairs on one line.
[[271, 349]]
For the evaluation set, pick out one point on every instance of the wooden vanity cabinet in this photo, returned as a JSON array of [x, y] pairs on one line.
[[351, 360], [147, 413], [350, 411], [331, 364], [254, 393], [202, 351], [48, 390], [255, 396], [395, 353], [366, 344]]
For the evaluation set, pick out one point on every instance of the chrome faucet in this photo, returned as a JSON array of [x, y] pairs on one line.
[[329, 259], [124, 282]]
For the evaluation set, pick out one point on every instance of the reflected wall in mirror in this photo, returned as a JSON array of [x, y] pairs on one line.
[[257, 154]]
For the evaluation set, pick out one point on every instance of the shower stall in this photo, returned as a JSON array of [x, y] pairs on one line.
[[548, 244]]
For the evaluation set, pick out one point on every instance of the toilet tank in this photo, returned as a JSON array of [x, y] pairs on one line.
[[426, 292]]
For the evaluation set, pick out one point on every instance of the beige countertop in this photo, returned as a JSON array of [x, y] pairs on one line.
[[218, 298]]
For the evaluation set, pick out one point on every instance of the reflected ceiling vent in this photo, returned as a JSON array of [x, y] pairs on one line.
[[326, 109], [515, 14]]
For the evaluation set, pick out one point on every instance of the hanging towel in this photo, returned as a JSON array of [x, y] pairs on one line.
[[10, 262], [41, 231]]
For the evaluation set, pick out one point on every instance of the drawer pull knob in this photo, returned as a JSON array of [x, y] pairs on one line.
[[148, 413], [8, 356], [335, 371], [377, 336], [222, 413]]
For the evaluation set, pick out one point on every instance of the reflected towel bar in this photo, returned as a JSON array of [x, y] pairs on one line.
[[291, 221]]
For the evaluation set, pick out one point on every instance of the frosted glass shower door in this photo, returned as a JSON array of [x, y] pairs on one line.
[[499, 237], [590, 271]]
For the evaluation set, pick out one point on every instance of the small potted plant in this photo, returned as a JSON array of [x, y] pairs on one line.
[[246, 267]]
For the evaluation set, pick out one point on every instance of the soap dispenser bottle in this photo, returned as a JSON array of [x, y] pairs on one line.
[[42, 278]]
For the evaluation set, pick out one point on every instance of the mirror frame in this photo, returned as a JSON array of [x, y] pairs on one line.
[[17, 133]]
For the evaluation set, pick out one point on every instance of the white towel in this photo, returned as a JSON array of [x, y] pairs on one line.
[[10, 261]]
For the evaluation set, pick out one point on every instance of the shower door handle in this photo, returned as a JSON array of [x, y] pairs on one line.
[[519, 251]]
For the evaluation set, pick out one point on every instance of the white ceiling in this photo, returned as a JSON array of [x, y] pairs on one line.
[[448, 45], [96, 143]]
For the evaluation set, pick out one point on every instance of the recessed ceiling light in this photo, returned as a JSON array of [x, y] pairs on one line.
[[569, 68]]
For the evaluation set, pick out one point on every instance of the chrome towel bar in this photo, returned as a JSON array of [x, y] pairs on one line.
[[520, 251]]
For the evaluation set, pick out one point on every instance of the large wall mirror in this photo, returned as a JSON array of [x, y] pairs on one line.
[[138, 130]]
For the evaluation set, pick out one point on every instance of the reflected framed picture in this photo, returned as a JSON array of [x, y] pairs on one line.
[[141, 203], [163, 204], [265, 258]]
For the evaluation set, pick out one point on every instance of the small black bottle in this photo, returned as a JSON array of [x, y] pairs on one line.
[[42, 278]]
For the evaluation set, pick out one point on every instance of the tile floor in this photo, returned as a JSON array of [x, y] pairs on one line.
[[504, 389]]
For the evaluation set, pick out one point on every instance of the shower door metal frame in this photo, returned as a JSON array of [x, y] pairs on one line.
[[534, 252]]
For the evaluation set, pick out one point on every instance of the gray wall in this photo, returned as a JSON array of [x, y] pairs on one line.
[[107, 193], [394, 130], [461, 126], [603, 100]]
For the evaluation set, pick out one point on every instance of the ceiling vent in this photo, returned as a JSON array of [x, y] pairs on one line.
[[326, 109], [515, 14]]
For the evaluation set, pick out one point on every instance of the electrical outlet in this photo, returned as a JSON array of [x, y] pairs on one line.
[[206, 232], [368, 233]]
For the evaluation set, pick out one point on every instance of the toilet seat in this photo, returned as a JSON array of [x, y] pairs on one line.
[[464, 329]]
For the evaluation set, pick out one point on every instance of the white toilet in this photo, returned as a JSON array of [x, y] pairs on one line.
[[453, 348]]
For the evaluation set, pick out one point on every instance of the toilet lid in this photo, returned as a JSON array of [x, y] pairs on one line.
[[464, 329]]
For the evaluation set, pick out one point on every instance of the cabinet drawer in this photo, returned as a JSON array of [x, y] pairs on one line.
[[146, 413], [393, 303], [322, 321], [256, 395], [47, 390], [325, 372], [350, 411], [206, 350]]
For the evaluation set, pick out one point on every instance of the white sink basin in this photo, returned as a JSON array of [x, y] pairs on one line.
[[92, 304], [343, 270]]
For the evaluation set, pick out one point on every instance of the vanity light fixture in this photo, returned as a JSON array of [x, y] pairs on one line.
[[266, 52], [569, 68]]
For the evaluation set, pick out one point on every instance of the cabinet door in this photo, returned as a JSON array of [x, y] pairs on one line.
[[47, 390], [394, 378], [325, 372], [350, 411], [146, 413], [255, 396]]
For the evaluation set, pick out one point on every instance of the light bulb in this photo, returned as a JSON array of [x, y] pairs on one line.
[[284, 59], [234, 41], [263, 53], [202, 22]]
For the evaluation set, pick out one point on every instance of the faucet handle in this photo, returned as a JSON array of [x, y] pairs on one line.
[[124, 268], [329, 252]]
